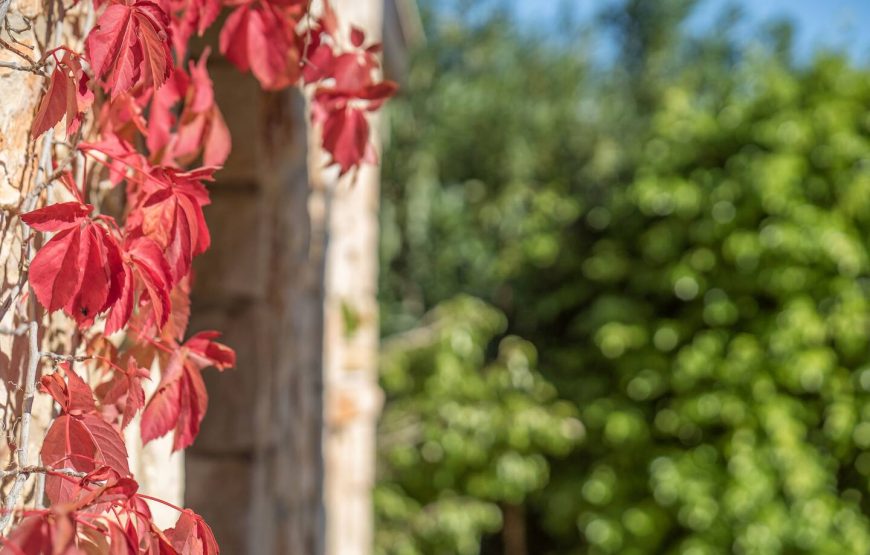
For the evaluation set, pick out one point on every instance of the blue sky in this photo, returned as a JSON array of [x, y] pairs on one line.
[[839, 24]]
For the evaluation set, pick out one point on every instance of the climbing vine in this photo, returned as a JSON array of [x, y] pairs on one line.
[[140, 123]]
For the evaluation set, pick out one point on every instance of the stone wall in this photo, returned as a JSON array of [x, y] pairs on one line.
[[284, 463], [158, 473], [255, 471], [20, 92]]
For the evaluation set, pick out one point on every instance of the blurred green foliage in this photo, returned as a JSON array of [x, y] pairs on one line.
[[461, 434], [683, 237]]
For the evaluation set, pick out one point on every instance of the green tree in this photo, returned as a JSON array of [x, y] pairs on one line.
[[683, 238]]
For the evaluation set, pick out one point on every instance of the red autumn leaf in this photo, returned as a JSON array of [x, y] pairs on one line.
[[179, 403], [200, 128], [218, 142], [181, 400], [155, 275], [80, 442], [120, 157], [121, 542], [57, 217], [172, 218], [96, 492], [79, 269], [162, 114], [189, 17], [342, 113], [73, 394], [155, 541], [123, 116], [75, 528], [206, 352], [49, 533], [79, 438], [130, 45], [170, 213], [341, 106], [146, 271], [102, 486], [179, 316], [192, 536], [67, 95], [141, 532], [175, 328], [351, 70], [346, 137], [259, 36], [125, 391], [357, 36], [201, 123]]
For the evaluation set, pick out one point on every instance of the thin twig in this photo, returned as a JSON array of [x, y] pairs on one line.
[[33, 361], [33, 195], [20, 330], [13, 32], [27, 470], [28, 25], [27, 412], [57, 357], [17, 52], [32, 68], [39, 492], [7, 303]]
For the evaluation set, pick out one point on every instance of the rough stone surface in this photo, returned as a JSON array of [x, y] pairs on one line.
[[20, 91], [18, 160], [261, 284], [284, 463]]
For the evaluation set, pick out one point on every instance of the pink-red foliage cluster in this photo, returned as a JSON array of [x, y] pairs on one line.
[[153, 115]]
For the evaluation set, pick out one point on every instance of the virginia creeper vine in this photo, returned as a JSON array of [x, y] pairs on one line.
[[139, 113]]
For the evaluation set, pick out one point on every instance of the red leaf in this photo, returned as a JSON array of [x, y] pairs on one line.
[[196, 16], [179, 316], [163, 410], [260, 36], [200, 127], [181, 400], [123, 116], [217, 140], [125, 390], [78, 439], [123, 158], [57, 217], [348, 88], [67, 95], [192, 536], [146, 270], [101, 486], [50, 533], [83, 443], [78, 271], [122, 310], [55, 273], [171, 215], [357, 36], [210, 353], [154, 273], [73, 394], [121, 542], [345, 137], [129, 45]]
